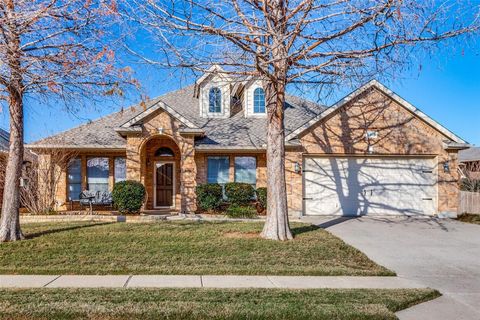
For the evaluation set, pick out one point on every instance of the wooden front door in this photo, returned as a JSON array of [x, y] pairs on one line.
[[164, 184]]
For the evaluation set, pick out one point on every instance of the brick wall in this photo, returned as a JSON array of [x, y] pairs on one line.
[[165, 130], [399, 133]]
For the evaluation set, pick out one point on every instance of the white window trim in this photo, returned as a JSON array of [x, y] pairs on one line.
[[250, 102], [208, 101]]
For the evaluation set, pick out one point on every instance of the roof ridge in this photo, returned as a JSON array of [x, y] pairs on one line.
[[89, 122]]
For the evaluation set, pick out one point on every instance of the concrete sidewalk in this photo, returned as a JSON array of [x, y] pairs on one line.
[[207, 281]]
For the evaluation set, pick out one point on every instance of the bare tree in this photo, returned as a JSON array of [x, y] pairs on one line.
[[50, 51], [42, 180], [470, 176], [303, 42]]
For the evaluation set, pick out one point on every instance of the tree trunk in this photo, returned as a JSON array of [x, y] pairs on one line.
[[10, 221], [276, 226]]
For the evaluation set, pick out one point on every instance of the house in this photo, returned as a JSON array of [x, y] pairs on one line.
[[470, 161], [370, 153], [4, 145], [28, 159]]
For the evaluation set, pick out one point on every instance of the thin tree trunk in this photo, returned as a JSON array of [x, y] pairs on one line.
[[10, 220], [276, 226]]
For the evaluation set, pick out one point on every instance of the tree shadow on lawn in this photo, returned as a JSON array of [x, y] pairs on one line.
[[57, 230], [303, 229]]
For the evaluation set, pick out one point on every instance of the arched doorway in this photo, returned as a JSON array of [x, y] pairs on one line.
[[162, 173]]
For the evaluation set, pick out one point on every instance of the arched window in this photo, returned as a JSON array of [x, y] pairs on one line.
[[164, 152], [215, 100], [259, 101]]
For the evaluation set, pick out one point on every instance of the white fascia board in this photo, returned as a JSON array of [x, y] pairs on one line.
[[388, 92], [152, 109]]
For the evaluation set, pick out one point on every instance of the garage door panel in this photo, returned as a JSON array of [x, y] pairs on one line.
[[369, 185]]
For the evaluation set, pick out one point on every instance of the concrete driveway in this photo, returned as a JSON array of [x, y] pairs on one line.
[[442, 254]]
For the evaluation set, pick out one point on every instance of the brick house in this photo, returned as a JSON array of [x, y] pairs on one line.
[[370, 153]]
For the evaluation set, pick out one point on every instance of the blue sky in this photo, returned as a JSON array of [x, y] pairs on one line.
[[447, 89]]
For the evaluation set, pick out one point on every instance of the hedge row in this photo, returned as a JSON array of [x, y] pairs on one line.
[[238, 195]]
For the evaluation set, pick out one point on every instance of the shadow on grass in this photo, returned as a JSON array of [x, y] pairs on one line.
[[57, 230], [304, 229]]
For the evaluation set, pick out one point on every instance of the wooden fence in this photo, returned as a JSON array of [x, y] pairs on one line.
[[469, 202]]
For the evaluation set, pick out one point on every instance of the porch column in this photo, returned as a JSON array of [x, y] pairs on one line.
[[134, 159], [188, 175]]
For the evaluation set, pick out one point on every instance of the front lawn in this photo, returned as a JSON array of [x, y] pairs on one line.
[[185, 247], [208, 303]]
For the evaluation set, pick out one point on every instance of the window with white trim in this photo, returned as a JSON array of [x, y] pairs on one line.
[[74, 173], [218, 169], [97, 174], [215, 100], [246, 170], [120, 169], [259, 100]]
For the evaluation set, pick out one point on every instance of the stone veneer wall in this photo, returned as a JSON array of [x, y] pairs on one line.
[[149, 161], [162, 125]]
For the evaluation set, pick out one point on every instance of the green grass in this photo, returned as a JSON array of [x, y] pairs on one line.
[[469, 218], [208, 303], [180, 248]]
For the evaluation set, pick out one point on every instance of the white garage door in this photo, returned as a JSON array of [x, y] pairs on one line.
[[370, 185]]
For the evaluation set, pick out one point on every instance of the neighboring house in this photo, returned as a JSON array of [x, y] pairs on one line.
[[4, 144], [470, 161], [370, 153]]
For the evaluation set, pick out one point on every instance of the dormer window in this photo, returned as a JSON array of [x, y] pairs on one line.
[[215, 100], [259, 101]]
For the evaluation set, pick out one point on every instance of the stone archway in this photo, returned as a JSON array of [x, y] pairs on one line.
[[160, 129], [161, 173]]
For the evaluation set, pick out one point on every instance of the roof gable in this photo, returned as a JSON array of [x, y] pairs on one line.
[[375, 84], [159, 105]]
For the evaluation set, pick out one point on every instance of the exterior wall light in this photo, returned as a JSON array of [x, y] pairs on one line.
[[161, 130], [446, 166], [23, 182], [298, 168]]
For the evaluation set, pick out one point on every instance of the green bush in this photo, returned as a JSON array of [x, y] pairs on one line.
[[239, 193], [128, 196], [237, 211], [209, 196], [262, 197]]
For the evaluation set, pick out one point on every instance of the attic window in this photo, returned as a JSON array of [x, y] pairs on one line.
[[259, 101], [164, 152], [215, 100]]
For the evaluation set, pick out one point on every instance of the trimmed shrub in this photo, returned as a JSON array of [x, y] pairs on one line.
[[262, 197], [237, 211], [239, 193], [209, 196], [128, 196]]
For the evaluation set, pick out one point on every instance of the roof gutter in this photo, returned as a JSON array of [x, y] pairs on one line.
[[455, 146], [75, 147]]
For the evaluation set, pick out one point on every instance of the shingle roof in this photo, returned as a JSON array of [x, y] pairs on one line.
[[236, 131], [471, 154]]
